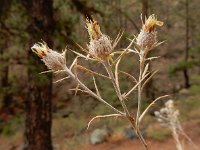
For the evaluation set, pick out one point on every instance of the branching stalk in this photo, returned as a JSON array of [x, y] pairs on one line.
[[142, 64], [116, 87], [176, 138], [101, 49], [91, 92]]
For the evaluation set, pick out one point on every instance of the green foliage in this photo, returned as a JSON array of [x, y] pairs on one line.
[[189, 108], [195, 79], [67, 131], [189, 104], [194, 89], [158, 133], [76, 122], [107, 91], [182, 65], [100, 109], [10, 127]]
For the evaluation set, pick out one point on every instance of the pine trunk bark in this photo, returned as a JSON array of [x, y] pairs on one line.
[[145, 8], [185, 71], [5, 86], [38, 104]]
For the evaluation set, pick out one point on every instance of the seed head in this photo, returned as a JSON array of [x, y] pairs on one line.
[[100, 44], [168, 115], [53, 60], [147, 37]]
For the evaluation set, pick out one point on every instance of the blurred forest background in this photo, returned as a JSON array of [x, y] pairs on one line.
[[36, 114]]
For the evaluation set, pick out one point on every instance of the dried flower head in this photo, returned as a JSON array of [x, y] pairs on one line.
[[100, 44], [147, 37], [53, 60], [168, 116]]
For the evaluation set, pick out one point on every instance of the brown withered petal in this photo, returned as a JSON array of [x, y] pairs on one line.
[[93, 28]]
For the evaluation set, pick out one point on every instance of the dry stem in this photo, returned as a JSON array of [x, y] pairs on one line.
[[90, 92], [115, 85]]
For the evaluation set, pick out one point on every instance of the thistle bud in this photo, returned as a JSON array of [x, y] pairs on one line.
[[53, 60], [147, 37], [100, 45]]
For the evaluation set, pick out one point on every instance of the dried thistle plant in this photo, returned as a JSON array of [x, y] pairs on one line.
[[169, 117], [101, 49]]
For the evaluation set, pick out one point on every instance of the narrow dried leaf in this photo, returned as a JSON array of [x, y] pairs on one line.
[[77, 87], [116, 73], [95, 84], [79, 90], [59, 71], [136, 46], [145, 70], [145, 111], [158, 44], [62, 79], [43, 72], [75, 69], [119, 36], [125, 95], [103, 116], [90, 71], [133, 51], [118, 53], [83, 56], [73, 63], [149, 78], [83, 49], [151, 58], [129, 75], [124, 52]]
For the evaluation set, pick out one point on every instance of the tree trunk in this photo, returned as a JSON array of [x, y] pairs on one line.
[[185, 71], [4, 70], [7, 94], [145, 7], [38, 103]]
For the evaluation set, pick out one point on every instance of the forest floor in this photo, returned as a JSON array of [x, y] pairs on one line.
[[69, 133], [166, 144], [136, 145], [114, 143]]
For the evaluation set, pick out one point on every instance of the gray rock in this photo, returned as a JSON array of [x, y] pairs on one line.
[[184, 92], [100, 135], [129, 133]]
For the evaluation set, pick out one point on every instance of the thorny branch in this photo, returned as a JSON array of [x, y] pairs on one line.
[[100, 49], [69, 72]]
